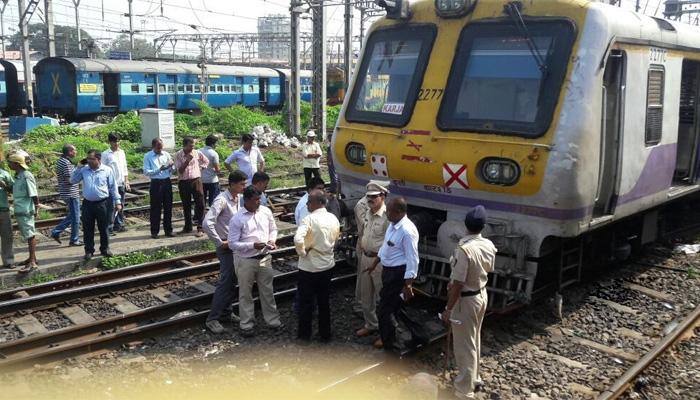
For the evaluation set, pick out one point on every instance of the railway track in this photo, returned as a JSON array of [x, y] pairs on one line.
[[76, 316], [622, 384]]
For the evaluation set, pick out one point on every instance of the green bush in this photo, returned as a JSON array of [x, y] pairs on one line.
[[232, 121], [127, 126], [332, 114], [49, 133]]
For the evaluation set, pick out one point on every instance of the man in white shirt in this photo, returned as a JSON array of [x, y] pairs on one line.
[[315, 242], [210, 174], [399, 258], [301, 210], [252, 234], [311, 151], [216, 225], [249, 158], [115, 158]]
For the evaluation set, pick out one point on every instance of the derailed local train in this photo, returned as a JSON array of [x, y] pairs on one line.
[[573, 122], [80, 87]]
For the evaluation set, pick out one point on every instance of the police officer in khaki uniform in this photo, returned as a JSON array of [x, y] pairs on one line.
[[360, 209], [373, 229], [471, 262]]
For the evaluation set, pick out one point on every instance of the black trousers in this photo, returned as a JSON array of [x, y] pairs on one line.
[[96, 212], [390, 303], [225, 287], [191, 189], [161, 192], [314, 286], [309, 172]]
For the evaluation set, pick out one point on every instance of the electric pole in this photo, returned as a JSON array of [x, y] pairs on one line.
[[348, 43], [2, 25], [77, 25], [294, 102], [318, 94], [25, 14], [50, 33], [203, 66], [131, 31]]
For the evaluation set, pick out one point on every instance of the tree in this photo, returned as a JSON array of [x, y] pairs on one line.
[[142, 47], [66, 41]]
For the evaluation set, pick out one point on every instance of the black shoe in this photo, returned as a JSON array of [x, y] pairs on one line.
[[154, 236], [169, 234], [106, 253], [247, 333], [276, 327], [75, 244], [120, 229], [87, 256], [57, 238], [185, 231]]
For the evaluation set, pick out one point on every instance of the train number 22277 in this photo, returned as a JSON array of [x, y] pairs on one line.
[[430, 94]]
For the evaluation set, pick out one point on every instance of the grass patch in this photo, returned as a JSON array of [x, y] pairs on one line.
[[44, 214], [135, 258], [39, 278]]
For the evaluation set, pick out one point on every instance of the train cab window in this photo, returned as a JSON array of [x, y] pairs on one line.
[[135, 88], [506, 81], [390, 75], [655, 105], [149, 88]]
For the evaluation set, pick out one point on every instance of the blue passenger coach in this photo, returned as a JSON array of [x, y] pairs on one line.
[[12, 94], [75, 87]]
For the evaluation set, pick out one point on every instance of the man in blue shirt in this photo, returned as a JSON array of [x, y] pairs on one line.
[[99, 188], [158, 165], [399, 258]]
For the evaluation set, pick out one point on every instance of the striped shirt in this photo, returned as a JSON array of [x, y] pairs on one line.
[[64, 169]]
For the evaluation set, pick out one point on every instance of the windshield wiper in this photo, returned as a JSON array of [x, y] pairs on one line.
[[513, 10]]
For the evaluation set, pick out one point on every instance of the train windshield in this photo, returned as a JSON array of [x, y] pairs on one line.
[[388, 78], [505, 82]]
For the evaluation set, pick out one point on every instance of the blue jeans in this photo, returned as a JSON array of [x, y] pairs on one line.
[[72, 219], [211, 190]]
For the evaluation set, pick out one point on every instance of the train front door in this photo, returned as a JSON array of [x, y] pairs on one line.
[[110, 94], [263, 88], [686, 172], [612, 117]]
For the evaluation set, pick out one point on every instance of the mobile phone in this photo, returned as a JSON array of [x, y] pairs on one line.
[[454, 321]]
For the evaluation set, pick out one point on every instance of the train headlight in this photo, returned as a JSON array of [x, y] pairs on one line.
[[356, 153], [454, 8], [499, 171]]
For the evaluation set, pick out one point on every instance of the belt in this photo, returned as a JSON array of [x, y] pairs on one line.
[[370, 254], [96, 201], [470, 293], [258, 257]]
